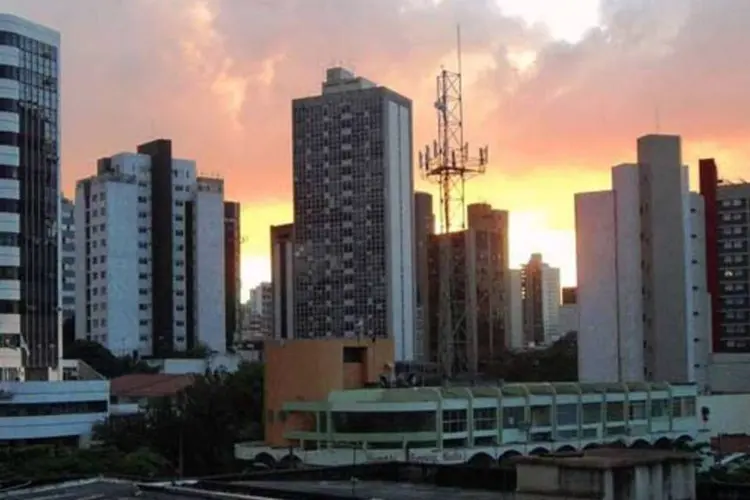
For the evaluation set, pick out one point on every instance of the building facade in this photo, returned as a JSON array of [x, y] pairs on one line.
[[479, 279], [540, 297], [30, 298], [568, 318], [261, 308], [493, 277], [424, 228], [642, 293], [353, 222], [150, 269], [515, 301], [727, 238], [475, 425], [232, 270], [569, 295], [68, 252], [282, 280], [53, 412]]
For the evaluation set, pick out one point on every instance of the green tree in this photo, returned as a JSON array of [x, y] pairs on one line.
[[197, 431], [556, 363], [143, 463], [48, 462], [103, 361]]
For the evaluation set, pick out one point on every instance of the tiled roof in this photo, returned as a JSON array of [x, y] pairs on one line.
[[149, 385]]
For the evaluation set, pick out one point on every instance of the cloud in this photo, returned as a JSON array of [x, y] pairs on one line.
[[671, 64], [217, 76]]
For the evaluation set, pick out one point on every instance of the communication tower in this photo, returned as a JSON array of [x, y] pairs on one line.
[[448, 163]]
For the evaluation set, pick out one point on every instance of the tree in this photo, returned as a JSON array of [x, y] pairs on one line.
[[556, 363], [47, 462], [69, 331], [197, 432], [103, 361]]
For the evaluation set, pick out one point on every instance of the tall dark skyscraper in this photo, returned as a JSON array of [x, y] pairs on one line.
[[30, 300], [353, 224], [232, 269]]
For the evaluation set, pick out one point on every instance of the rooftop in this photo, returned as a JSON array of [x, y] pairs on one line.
[[149, 385], [95, 489], [607, 458], [412, 394]]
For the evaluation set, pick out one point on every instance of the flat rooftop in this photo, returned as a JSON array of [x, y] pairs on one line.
[[607, 458], [95, 489], [375, 489]]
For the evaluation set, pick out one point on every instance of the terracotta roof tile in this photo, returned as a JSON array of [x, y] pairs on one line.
[[148, 385]]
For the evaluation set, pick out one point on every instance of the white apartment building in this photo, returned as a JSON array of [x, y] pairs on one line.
[[568, 318], [261, 309], [642, 295], [551, 303], [150, 267], [68, 255]]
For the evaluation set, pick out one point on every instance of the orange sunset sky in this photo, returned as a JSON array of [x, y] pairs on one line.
[[559, 89]]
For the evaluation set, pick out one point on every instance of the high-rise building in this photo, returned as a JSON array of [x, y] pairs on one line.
[[540, 295], [282, 280], [150, 268], [232, 270], [493, 274], [424, 228], [568, 319], [261, 308], [727, 237], [68, 252], [515, 305], [353, 221], [641, 279], [569, 295], [30, 298], [480, 281]]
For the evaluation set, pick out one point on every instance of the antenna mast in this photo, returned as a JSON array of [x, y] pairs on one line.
[[448, 163]]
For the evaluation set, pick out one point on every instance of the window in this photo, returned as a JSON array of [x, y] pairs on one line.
[[485, 419], [567, 414], [615, 411], [659, 408], [454, 421], [637, 410], [592, 413], [541, 416]]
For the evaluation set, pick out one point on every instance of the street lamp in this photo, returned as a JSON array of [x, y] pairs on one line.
[[179, 411]]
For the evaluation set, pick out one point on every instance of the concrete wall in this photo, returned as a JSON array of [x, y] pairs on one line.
[[39, 398], [727, 413], [308, 370], [598, 356], [210, 317]]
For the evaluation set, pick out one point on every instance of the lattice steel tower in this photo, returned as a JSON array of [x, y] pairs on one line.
[[448, 163]]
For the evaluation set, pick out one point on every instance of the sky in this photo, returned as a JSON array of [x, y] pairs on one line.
[[558, 89]]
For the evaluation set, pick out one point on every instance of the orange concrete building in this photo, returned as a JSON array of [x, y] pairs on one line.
[[309, 369]]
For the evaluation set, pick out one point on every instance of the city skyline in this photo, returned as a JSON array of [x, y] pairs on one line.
[[234, 116]]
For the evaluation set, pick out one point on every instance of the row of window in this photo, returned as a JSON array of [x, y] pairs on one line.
[[27, 44], [455, 421], [27, 76], [47, 409]]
